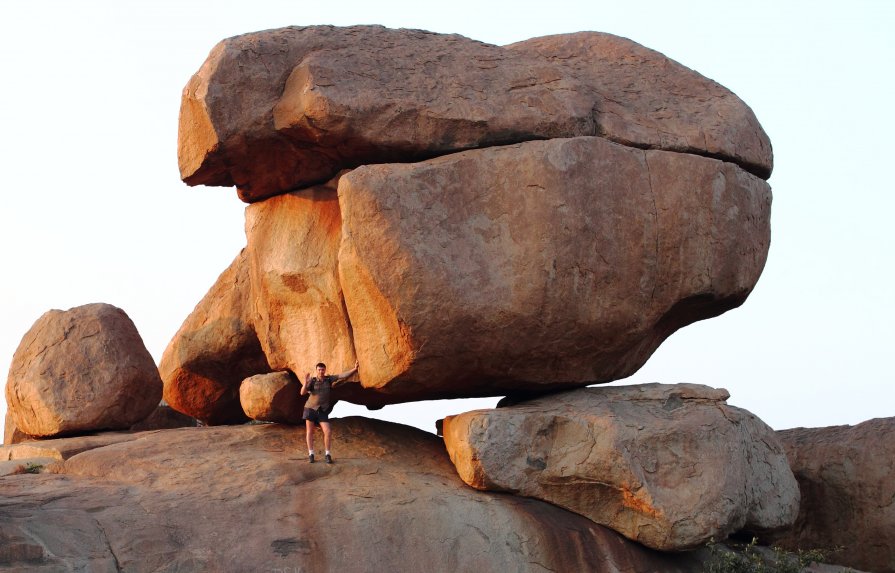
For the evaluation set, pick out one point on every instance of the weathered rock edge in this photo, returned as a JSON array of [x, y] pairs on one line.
[[283, 109], [668, 466]]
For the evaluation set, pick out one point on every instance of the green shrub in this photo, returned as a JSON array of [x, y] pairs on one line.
[[29, 468], [749, 558]]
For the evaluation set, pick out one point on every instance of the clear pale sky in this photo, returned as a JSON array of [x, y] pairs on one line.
[[94, 211]]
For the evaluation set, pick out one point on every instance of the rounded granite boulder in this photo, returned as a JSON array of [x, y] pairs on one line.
[[81, 370]]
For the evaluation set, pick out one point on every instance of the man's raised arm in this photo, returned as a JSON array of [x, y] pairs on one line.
[[346, 375], [305, 384]]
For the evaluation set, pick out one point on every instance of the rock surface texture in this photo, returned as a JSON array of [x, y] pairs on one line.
[[166, 500], [848, 492], [669, 466], [282, 109], [81, 370]]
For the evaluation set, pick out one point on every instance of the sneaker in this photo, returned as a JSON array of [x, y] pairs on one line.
[[329, 459], [311, 458]]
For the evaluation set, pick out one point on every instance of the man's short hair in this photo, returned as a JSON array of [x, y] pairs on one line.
[[321, 365]]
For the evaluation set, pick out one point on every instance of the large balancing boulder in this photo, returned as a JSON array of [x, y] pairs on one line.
[[669, 466], [282, 109], [81, 370], [540, 265], [455, 272]]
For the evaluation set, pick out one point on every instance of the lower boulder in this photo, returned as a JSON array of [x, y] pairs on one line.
[[669, 466], [848, 493]]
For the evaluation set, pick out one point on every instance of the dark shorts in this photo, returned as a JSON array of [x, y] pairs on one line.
[[315, 416]]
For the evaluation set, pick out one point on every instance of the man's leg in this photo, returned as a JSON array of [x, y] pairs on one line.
[[309, 438], [326, 440]]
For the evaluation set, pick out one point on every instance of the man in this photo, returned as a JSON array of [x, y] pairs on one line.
[[319, 404]]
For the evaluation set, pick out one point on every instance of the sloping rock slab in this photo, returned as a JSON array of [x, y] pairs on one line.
[[243, 499], [848, 492], [64, 448], [669, 466], [282, 109], [544, 264]]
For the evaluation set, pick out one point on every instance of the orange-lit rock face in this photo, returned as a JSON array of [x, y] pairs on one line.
[[282, 109], [11, 434], [214, 350], [292, 253], [81, 370], [669, 466]]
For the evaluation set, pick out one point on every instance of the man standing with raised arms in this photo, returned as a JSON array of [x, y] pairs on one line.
[[318, 406]]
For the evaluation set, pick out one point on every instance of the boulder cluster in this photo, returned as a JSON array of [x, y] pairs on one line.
[[462, 220]]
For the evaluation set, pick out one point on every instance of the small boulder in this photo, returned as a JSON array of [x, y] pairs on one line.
[[81, 370], [273, 397], [669, 466], [848, 492]]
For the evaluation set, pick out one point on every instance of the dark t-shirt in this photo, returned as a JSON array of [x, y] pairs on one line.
[[320, 392]]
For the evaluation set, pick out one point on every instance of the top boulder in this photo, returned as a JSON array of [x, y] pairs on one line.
[[283, 109]]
